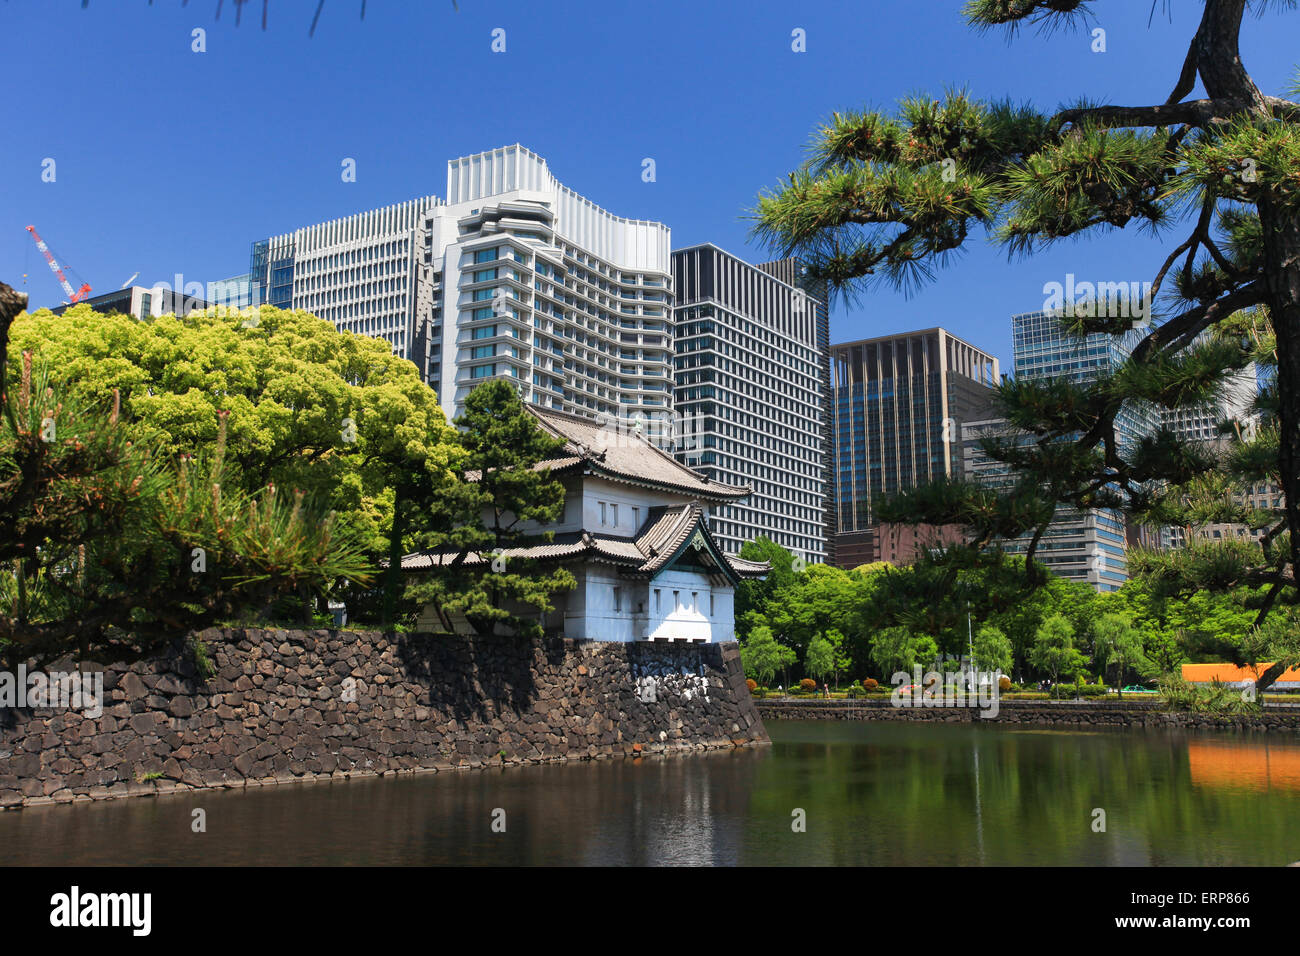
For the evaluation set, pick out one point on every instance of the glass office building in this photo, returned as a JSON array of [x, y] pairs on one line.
[[1082, 545], [750, 387], [898, 403]]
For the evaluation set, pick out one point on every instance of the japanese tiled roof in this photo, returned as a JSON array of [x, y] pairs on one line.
[[666, 531], [620, 453]]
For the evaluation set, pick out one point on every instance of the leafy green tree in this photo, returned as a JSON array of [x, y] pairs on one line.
[[841, 659], [1054, 651], [897, 649], [814, 602], [992, 649], [820, 660], [332, 414], [109, 549], [754, 594], [506, 502], [761, 656], [889, 196], [1117, 643]]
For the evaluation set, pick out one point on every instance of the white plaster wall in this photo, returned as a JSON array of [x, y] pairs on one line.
[[627, 497], [590, 610], [687, 622]]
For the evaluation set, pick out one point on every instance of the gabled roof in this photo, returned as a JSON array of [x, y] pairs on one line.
[[667, 532], [620, 453]]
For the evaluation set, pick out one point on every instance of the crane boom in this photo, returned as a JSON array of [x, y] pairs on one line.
[[73, 297]]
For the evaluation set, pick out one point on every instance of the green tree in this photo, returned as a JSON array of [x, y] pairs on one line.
[[897, 649], [108, 548], [814, 602], [506, 502], [1054, 651], [889, 196], [754, 594], [1117, 643], [820, 660], [761, 656], [307, 408], [992, 649]]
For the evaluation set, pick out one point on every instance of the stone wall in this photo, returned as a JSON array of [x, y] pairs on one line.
[[1046, 713], [286, 705]]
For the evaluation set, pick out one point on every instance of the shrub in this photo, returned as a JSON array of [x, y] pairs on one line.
[[752, 685], [808, 684], [1070, 691], [869, 683], [1004, 683]]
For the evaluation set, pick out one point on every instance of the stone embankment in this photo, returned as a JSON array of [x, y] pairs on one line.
[[283, 706], [1124, 713]]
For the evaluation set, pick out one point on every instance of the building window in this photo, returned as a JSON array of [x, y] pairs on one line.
[[658, 603], [695, 600], [677, 601], [618, 599], [636, 518], [712, 611], [613, 511], [602, 513]]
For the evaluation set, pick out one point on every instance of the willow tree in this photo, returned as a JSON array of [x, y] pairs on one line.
[[890, 196]]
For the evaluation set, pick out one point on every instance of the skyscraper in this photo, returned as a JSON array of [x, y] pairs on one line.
[[899, 402], [1082, 545], [750, 382], [512, 276]]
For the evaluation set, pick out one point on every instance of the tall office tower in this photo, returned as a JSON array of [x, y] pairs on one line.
[[793, 272], [1201, 424], [512, 276], [899, 403], [358, 272], [1091, 545], [1044, 349], [749, 381], [1088, 546]]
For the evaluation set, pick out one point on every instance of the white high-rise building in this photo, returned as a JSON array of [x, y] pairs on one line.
[[513, 275]]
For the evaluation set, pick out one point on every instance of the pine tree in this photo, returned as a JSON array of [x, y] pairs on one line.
[[892, 196], [503, 498]]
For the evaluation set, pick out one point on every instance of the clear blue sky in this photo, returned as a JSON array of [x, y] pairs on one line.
[[172, 161]]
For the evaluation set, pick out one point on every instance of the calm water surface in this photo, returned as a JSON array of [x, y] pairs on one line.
[[873, 793]]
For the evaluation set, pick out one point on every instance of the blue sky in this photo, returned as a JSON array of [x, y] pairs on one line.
[[171, 161]]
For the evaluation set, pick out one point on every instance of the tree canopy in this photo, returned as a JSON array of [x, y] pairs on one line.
[[890, 196]]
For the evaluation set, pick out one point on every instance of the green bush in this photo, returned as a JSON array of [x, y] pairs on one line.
[[1070, 691]]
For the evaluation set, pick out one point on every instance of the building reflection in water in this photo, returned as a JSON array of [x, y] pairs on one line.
[[1247, 764]]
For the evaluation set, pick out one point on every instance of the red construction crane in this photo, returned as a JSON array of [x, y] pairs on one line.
[[73, 297]]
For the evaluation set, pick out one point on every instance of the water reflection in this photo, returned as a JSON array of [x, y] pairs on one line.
[[1268, 765], [884, 793]]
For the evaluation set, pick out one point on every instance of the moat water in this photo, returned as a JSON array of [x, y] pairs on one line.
[[866, 793]]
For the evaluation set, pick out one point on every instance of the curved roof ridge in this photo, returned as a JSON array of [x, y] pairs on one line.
[[619, 458]]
